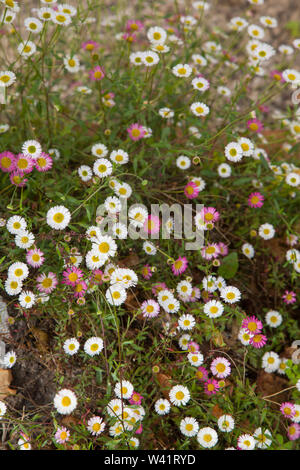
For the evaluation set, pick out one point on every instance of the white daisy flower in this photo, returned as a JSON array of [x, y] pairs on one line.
[[116, 295], [95, 425], [183, 162], [195, 358], [9, 359], [273, 318], [16, 224], [213, 309], [179, 395], [7, 78], [189, 426], [18, 271], [150, 58], [263, 438], [246, 442], [27, 299], [226, 423], [85, 173], [65, 401], [93, 346], [162, 406], [13, 286], [71, 346], [149, 248], [32, 148], [123, 389], [248, 250], [230, 294], [114, 408], [186, 322], [33, 25], [156, 35], [58, 217], [182, 70], [266, 231], [24, 239], [224, 170], [234, 152], [119, 157], [207, 437], [99, 150], [270, 362], [244, 337], [102, 167], [26, 49], [199, 109]]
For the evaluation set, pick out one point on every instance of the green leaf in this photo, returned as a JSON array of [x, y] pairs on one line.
[[229, 266]]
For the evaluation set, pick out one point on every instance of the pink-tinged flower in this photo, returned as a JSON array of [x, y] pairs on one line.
[[252, 325], [211, 251], [17, 178], [147, 271], [191, 190], [136, 398], [7, 162], [46, 283], [150, 308], [193, 346], [139, 429], [277, 75], [151, 224], [289, 297], [72, 276], [35, 257], [97, 73], [202, 374], [129, 37], [136, 131], [134, 25], [43, 162], [258, 340], [195, 295], [24, 164], [97, 276], [287, 409], [211, 387], [90, 46], [220, 367], [156, 288], [209, 215], [80, 288], [223, 249], [62, 435], [256, 200], [255, 125], [180, 265], [293, 432]]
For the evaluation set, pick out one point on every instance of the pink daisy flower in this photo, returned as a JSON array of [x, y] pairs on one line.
[[211, 387], [97, 73], [277, 75], [72, 276], [62, 435], [97, 276], [136, 131], [151, 224], [255, 125], [139, 429], [211, 251], [150, 308], [35, 257], [7, 162], [147, 271], [46, 283], [193, 346], [195, 295], [287, 409], [209, 214], [43, 162], [223, 249], [136, 398], [80, 288], [289, 297], [220, 367], [17, 178], [256, 200], [202, 374], [293, 432], [156, 288], [134, 25], [90, 46], [24, 164], [252, 325], [180, 265], [191, 190], [258, 340], [129, 37]]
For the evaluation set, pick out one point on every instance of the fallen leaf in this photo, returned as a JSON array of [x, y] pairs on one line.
[[5, 381]]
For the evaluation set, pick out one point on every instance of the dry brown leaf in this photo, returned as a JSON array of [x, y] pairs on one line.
[[130, 260], [217, 411], [41, 339], [5, 381], [69, 421], [165, 383]]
